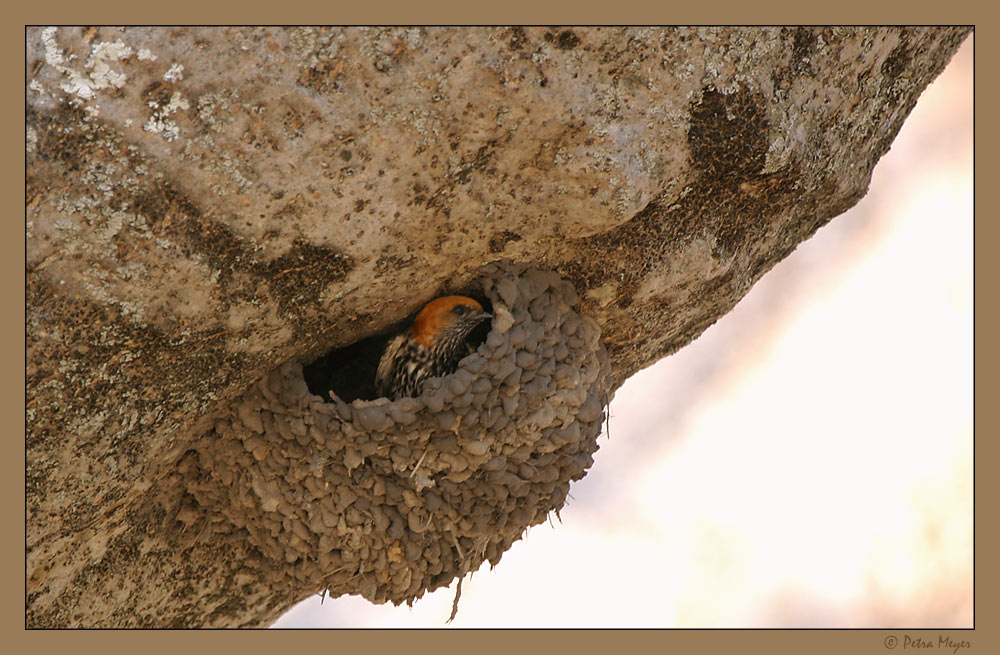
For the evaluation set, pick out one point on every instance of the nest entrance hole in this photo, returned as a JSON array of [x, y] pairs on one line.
[[350, 371]]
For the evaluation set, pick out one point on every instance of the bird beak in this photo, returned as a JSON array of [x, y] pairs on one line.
[[482, 316]]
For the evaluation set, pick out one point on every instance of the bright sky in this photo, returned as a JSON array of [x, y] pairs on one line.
[[807, 462]]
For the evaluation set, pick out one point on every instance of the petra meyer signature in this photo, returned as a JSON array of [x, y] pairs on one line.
[[943, 641]]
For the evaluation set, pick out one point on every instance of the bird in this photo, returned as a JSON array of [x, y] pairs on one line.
[[431, 347]]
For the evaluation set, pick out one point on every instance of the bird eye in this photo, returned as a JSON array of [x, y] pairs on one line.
[[460, 309]]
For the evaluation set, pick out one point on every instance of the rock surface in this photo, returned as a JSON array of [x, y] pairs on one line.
[[207, 204]]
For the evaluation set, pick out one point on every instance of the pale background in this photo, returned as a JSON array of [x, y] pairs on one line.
[[806, 462]]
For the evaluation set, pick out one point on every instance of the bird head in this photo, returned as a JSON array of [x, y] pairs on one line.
[[448, 317]]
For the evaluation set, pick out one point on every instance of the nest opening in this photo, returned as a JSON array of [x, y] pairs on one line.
[[349, 372]]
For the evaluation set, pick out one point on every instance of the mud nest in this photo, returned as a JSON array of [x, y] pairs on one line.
[[391, 499]]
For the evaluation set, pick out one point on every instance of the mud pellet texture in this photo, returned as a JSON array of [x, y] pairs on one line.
[[392, 499]]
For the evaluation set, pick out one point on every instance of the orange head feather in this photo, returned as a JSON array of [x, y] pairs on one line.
[[437, 315]]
